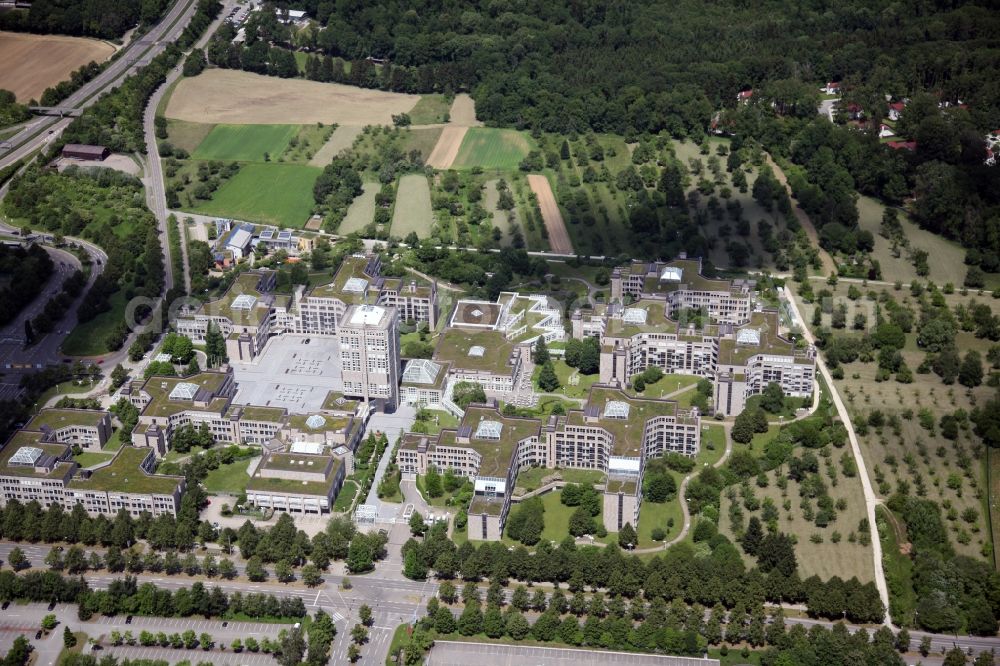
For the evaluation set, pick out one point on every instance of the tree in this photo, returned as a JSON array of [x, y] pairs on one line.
[[493, 624], [417, 524], [466, 393], [359, 634], [215, 346], [17, 560], [413, 566], [971, 372], [773, 399], [311, 575], [752, 536], [540, 355], [49, 622], [627, 537], [776, 552], [659, 487], [69, 640], [365, 615], [118, 376], [255, 569], [581, 522], [547, 379], [283, 571], [353, 653], [292, 648], [432, 482]]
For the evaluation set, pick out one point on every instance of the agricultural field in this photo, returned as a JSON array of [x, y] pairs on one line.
[[362, 210], [491, 148], [502, 220], [308, 141], [245, 143], [187, 136], [430, 110], [463, 111], [340, 140], [33, 63], [232, 96], [412, 211], [279, 194]]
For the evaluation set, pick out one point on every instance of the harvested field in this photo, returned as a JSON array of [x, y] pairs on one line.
[[423, 140], [463, 111], [558, 237], [230, 96], [413, 207], [446, 149], [492, 148], [245, 143], [187, 135], [44, 60], [362, 210], [279, 194], [343, 138]]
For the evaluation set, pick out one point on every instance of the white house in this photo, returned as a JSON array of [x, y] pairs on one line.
[[884, 131]]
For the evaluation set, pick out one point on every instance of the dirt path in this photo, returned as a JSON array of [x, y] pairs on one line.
[[558, 236], [828, 265], [446, 149], [342, 138]]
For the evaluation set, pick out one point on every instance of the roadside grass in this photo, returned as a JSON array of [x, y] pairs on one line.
[[245, 143], [279, 194], [231, 479], [90, 338], [430, 109], [346, 497], [492, 148], [564, 372], [81, 643], [361, 212], [399, 638], [187, 135], [898, 570], [88, 458], [825, 559], [412, 211]]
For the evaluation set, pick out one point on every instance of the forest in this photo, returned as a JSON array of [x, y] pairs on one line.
[[107, 19]]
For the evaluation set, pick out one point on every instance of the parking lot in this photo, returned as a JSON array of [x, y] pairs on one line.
[[171, 656], [454, 653], [171, 625], [291, 374]]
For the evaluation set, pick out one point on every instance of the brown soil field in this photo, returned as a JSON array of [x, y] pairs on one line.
[[463, 111], [342, 138], [229, 96], [558, 236], [32, 63], [446, 149]]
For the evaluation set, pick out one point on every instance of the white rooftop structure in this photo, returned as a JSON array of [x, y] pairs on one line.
[[623, 465], [748, 336], [312, 448], [489, 430], [634, 316], [671, 274], [315, 421], [490, 484], [477, 351], [616, 409], [367, 315], [244, 302], [162, 358], [27, 455], [356, 285], [421, 371], [184, 391], [477, 313], [240, 238], [366, 514]]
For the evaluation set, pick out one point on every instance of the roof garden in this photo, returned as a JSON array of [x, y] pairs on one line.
[[318, 422], [352, 270], [124, 475], [401, 285], [242, 304], [336, 401], [253, 413], [61, 418], [760, 336], [628, 432], [455, 345], [656, 320], [480, 505], [295, 486], [22, 439], [160, 388], [497, 453]]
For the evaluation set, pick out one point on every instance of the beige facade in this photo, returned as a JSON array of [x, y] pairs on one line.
[[369, 354], [88, 429], [297, 482]]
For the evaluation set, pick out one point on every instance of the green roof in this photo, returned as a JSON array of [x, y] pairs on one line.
[[245, 284], [330, 423], [621, 485], [24, 438], [351, 267], [496, 454], [159, 389], [124, 475], [628, 432], [61, 418], [252, 413], [297, 462], [278, 485], [455, 343], [732, 352], [336, 401], [656, 320], [480, 505], [399, 284], [690, 280]]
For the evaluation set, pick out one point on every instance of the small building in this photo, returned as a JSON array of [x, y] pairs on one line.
[[896, 110], [744, 96], [239, 240], [884, 131], [831, 88], [79, 151], [297, 482]]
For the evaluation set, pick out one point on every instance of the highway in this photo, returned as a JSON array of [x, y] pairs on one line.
[[43, 130]]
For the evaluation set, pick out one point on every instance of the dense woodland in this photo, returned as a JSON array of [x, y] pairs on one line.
[[107, 19]]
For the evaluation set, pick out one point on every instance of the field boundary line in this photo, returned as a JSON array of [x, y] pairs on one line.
[[446, 149], [559, 240]]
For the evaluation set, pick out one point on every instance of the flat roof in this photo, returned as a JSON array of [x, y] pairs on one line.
[[159, 389], [656, 320], [283, 462], [690, 277], [124, 475], [455, 344], [476, 313], [254, 413], [351, 267], [367, 315], [56, 418], [628, 432], [245, 284], [22, 439], [336, 401], [329, 424], [764, 326]]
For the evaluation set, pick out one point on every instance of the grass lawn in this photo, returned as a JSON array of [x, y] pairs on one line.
[[993, 472], [231, 479], [653, 515], [669, 384], [557, 517], [89, 338], [531, 478], [441, 501], [440, 420], [245, 143], [713, 444], [346, 497], [564, 372], [399, 638], [491, 148], [898, 569], [413, 211], [279, 194], [66, 388], [89, 458], [430, 109], [361, 211], [421, 140]]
